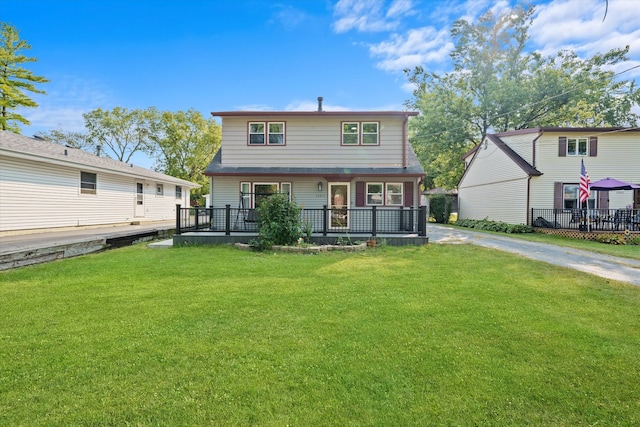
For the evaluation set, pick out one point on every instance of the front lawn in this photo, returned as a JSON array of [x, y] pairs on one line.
[[435, 335]]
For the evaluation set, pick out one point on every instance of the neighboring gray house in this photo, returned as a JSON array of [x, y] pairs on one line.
[[510, 173], [342, 160], [46, 186]]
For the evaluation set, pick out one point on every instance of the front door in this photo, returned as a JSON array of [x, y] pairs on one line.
[[139, 208], [339, 205]]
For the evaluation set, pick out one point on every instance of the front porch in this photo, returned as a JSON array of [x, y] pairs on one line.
[[399, 226], [596, 221]]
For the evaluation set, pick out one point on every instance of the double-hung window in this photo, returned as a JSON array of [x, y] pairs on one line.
[[178, 192], [159, 189], [394, 194], [360, 133], [570, 195], [374, 193], [266, 133], [384, 194], [88, 183], [577, 146]]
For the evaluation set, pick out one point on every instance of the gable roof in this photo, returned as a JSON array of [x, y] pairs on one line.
[[515, 157], [20, 146]]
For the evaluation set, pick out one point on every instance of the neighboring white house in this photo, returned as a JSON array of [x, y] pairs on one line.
[[510, 173], [45, 186], [345, 159]]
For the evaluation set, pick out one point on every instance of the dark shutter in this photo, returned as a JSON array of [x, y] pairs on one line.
[[562, 146], [558, 197], [360, 194], [603, 199], [593, 146], [408, 194]]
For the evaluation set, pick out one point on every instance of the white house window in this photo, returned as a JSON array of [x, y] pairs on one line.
[[571, 199], [88, 183], [276, 133], [269, 133], [374, 194], [370, 133], [577, 146], [394, 194], [252, 194], [178, 192], [360, 133], [159, 189], [350, 133]]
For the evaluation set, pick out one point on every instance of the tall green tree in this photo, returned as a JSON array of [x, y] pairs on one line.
[[14, 79], [120, 131], [185, 143], [495, 86]]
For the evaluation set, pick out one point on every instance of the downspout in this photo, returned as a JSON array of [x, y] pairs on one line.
[[533, 160], [405, 141]]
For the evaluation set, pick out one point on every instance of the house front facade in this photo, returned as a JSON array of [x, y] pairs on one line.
[[47, 186], [511, 173], [341, 161]]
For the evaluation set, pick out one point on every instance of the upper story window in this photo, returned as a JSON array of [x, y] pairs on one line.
[[88, 183], [266, 133], [360, 133], [159, 189], [577, 146], [178, 192]]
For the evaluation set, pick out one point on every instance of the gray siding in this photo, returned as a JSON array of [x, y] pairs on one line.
[[312, 142]]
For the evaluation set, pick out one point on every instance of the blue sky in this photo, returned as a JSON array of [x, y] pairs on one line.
[[222, 55]]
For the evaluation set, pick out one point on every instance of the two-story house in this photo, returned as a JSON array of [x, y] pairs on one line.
[[510, 173], [341, 160]]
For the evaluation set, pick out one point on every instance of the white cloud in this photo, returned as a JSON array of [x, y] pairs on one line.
[[307, 105], [67, 99], [287, 16], [578, 25], [370, 15], [416, 47]]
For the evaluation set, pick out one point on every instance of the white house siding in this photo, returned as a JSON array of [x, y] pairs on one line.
[[521, 143], [618, 157], [37, 195], [313, 142], [493, 187]]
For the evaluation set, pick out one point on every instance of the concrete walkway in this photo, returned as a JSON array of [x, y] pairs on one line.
[[610, 267]]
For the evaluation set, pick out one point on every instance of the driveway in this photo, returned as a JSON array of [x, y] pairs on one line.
[[610, 267]]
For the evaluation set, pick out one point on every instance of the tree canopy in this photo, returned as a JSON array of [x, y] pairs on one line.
[[181, 143], [14, 79], [496, 86]]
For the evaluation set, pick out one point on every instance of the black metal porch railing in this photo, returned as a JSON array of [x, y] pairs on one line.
[[587, 219], [371, 221]]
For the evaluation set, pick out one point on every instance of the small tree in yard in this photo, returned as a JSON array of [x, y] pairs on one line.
[[440, 208], [279, 221]]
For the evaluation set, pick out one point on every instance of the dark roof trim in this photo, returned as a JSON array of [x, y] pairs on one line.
[[524, 165], [313, 113], [567, 130]]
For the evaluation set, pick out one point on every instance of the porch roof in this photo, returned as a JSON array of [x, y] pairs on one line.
[[413, 169]]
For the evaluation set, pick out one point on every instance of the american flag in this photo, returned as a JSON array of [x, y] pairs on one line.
[[585, 183]]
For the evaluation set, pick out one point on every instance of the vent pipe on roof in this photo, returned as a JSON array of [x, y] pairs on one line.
[[65, 152], [98, 150], [319, 103]]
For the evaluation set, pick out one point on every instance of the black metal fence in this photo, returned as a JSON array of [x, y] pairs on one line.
[[371, 221], [587, 219]]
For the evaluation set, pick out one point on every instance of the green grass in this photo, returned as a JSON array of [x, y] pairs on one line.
[[436, 335]]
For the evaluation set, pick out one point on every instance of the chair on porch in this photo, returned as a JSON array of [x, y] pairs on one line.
[[622, 217], [576, 217]]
